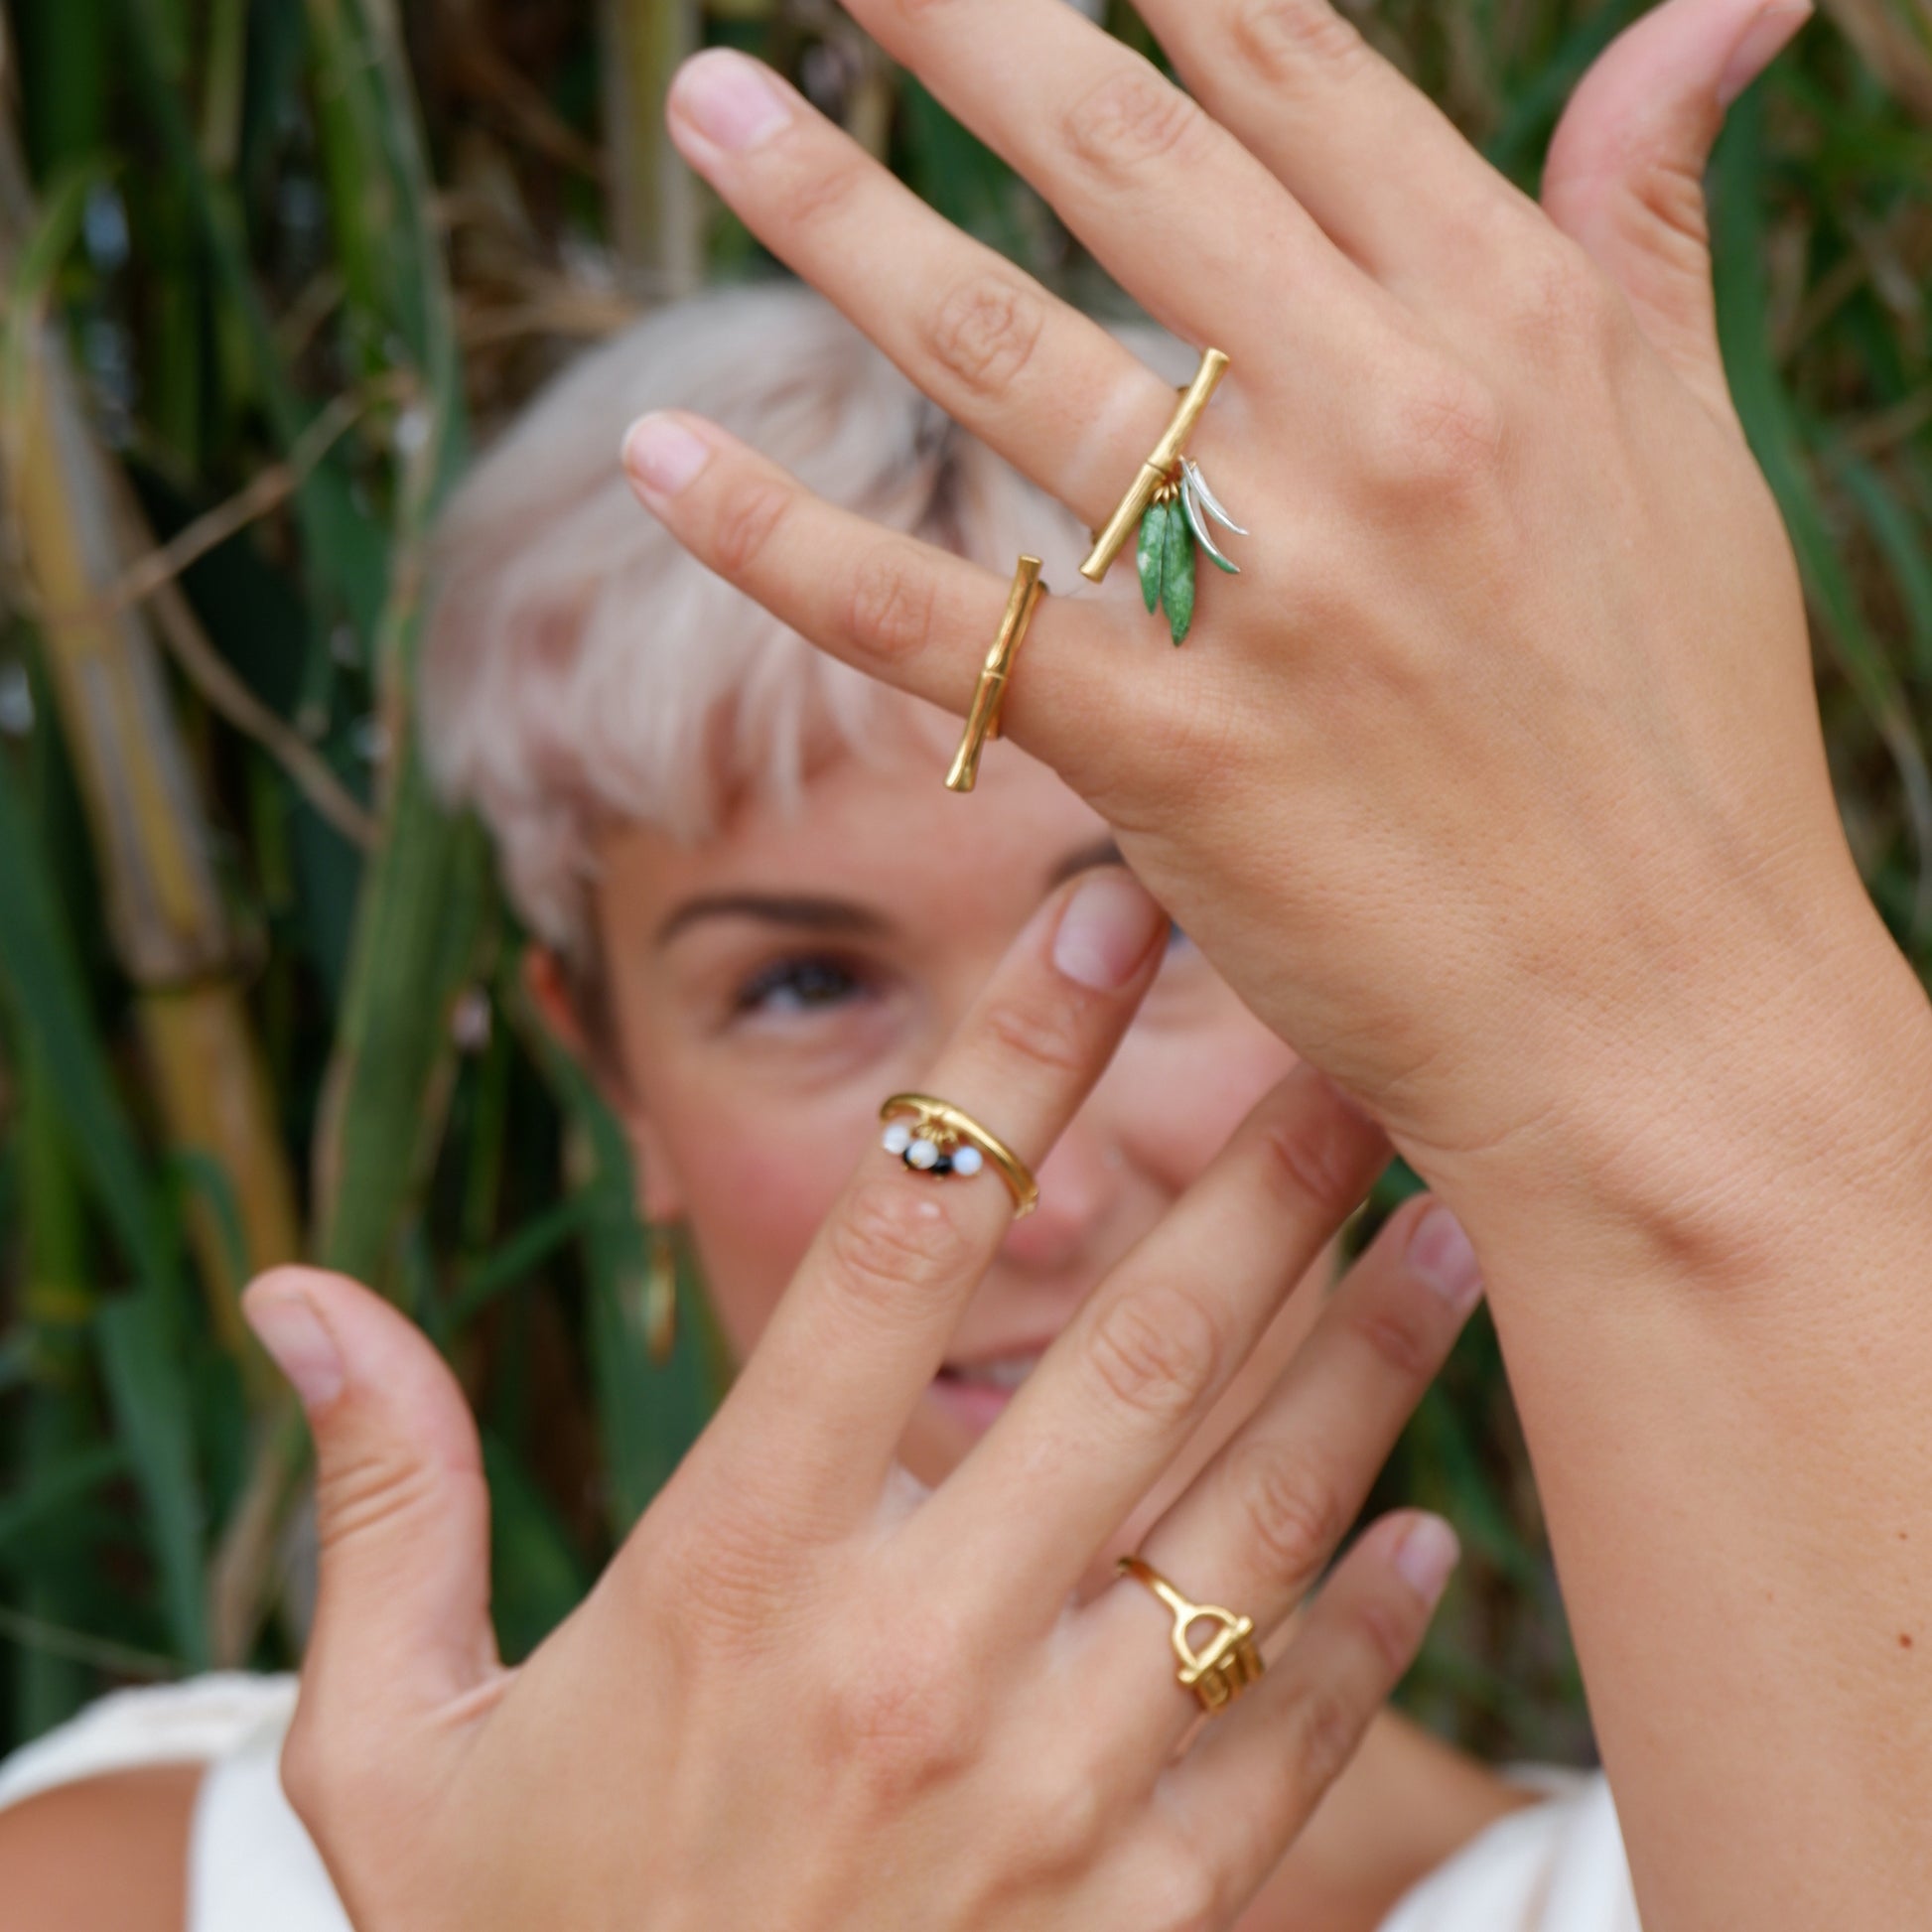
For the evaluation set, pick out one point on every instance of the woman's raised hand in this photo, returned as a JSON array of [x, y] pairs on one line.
[[808, 1693], [1494, 781]]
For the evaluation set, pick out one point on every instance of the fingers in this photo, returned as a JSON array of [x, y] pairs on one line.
[[402, 1619], [1245, 1790], [1169, 202], [908, 612], [1371, 158], [1625, 171], [1033, 378], [1258, 1525], [1119, 1395], [864, 1326]]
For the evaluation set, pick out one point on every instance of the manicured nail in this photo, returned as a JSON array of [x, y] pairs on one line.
[[1428, 1554], [1106, 930], [1440, 1255], [288, 1327], [726, 97], [1770, 29], [663, 455]]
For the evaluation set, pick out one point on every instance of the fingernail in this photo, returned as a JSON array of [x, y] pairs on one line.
[[1770, 29], [1106, 930], [288, 1327], [1428, 1552], [728, 99], [663, 455], [1440, 1255]]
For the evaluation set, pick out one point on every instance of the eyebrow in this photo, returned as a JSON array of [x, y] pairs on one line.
[[1103, 852], [773, 909]]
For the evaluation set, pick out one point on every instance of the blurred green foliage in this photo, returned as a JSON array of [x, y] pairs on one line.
[[297, 250]]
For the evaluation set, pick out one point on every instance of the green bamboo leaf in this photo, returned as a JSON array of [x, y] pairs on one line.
[[1153, 553], [1178, 576]]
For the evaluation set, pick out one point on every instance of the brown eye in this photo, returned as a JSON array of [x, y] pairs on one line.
[[807, 985]]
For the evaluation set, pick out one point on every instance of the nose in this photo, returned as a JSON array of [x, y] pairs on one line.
[[1078, 1184]]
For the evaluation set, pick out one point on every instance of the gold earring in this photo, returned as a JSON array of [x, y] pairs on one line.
[[660, 1297]]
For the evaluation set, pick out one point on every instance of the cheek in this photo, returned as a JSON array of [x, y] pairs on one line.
[[756, 1185], [1185, 1091]]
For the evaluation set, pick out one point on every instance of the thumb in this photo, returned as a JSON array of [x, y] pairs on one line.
[[1624, 176], [403, 1616]]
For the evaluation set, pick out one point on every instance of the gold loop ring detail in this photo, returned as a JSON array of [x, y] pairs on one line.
[[1226, 1665], [983, 721], [935, 1137]]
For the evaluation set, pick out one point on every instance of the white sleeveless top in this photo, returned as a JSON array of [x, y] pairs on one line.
[[1556, 1866]]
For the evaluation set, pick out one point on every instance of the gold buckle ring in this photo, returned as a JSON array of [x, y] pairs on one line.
[[983, 721], [1229, 1662], [1158, 469], [940, 1138]]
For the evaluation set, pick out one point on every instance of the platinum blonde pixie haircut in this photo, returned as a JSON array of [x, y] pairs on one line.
[[580, 670]]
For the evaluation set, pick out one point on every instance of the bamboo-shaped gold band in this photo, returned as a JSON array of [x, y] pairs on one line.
[[943, 1126], [983, 721], [1157, 468], [1228, 1664]]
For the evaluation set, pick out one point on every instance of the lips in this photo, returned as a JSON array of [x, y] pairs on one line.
[[978, 1392]]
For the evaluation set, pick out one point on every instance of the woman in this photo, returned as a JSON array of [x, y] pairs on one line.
[[792, 1646]]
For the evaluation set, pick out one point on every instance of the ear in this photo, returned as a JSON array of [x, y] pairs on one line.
[[547, 982], [548, 985]]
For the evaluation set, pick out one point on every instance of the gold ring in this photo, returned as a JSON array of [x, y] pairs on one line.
[[1229, 1662], [940, 1138], [1175, 506], [983, 721]]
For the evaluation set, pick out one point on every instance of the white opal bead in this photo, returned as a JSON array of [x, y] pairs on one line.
[[897, 1137], [967, 1160], [922, 1154]]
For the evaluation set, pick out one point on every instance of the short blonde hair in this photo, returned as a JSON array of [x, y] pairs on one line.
[[581, 669]]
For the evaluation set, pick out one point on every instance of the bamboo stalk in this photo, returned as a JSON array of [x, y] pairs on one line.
[[655, 203], [165, 914]]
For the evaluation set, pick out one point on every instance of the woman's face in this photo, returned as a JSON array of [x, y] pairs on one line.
[[770, 987]]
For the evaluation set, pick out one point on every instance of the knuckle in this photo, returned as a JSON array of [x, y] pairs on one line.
[[985, 333], [1398, 1339], [373, 1490], [893, 1236], [723, 1554], [890, 613], [1289, 41], [820, 189], [1438, 433], [1561, 300], [1042, 1033], [750, 514], [1391, 1631], [899, 1715], [1187, 1897], [1157, 1353], [1325, 1731], [1293, 1513], [1132, 118], [1321, 1164]]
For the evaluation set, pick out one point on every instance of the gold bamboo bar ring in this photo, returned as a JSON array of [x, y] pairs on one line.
[[1226, 1665], [983, 721], [1158, 469]]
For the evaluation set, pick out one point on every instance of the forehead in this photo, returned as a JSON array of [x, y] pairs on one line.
[[879, 823]]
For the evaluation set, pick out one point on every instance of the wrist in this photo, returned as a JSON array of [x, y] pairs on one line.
[[1741, 1126]]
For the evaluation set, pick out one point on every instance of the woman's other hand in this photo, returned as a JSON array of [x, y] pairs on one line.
[[1494, 783], [807, 1692]]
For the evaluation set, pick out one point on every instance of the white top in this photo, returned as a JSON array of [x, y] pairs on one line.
[[1557, 1866]]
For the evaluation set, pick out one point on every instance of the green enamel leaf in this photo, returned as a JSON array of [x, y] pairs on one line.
[[1154, 551], [1178, 576]]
